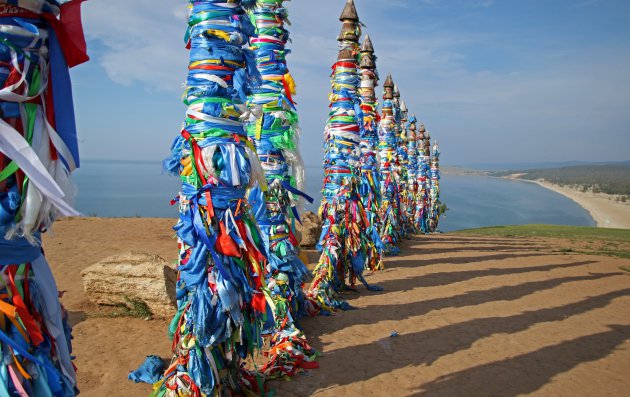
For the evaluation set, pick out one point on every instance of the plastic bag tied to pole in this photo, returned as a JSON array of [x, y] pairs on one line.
[[389, 179], [221, 293], [38, 150], [273, 128], [369, 188]]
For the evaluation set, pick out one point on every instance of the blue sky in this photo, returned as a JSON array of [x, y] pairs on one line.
[[494, 81]]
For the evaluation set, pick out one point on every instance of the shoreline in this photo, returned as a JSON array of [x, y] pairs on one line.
[[605, 211]]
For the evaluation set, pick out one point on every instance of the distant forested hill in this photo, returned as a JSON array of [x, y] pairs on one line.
[[609, 178]]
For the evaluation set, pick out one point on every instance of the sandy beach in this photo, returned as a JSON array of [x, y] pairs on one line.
[[604, 208], [475, 316]]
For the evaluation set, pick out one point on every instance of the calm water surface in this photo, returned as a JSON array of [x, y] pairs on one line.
[[127, 189]]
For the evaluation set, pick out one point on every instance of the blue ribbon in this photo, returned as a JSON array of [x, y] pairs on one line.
[[293, 190], [65, 124], [54, 377]]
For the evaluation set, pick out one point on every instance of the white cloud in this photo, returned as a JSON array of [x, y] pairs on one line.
[[142, 41]]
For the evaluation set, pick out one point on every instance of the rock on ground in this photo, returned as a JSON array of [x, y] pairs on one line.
[[310, 229], [127, 277]]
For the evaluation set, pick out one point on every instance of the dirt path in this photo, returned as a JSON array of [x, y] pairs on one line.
[[475, 316]]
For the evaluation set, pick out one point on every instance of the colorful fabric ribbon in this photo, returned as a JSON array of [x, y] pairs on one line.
[[38, 150]]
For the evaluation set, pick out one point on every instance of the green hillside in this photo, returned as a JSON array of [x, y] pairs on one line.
[[583, 239], [610, 178]]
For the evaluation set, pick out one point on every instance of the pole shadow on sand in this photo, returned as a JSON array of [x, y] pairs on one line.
[[471, 298], [362, 359], [505, 378]]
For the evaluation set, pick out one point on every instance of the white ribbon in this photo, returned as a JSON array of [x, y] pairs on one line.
[[213, 78], [218, 120], [236, 176], [229, 218], [14, 146], [257, 170]]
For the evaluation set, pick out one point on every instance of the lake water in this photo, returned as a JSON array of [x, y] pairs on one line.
[[128, 189]]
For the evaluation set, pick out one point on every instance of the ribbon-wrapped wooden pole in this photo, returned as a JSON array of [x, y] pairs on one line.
[[412, 175], [343, 242], [434, 194], [402, 168], [275, 134], [424, 181], [398, 168], [388, 158], [369, 188], [221, 272], [38, 151]]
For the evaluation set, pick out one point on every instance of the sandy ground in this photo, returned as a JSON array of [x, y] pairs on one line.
[[475, 316], [605, 210]]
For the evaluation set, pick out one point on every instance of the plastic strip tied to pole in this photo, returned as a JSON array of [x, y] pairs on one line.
[[39, 41]]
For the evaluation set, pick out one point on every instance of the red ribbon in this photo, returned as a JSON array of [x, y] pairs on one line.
[[68, 28], [344, 65], [31, 326], [259, 303]]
